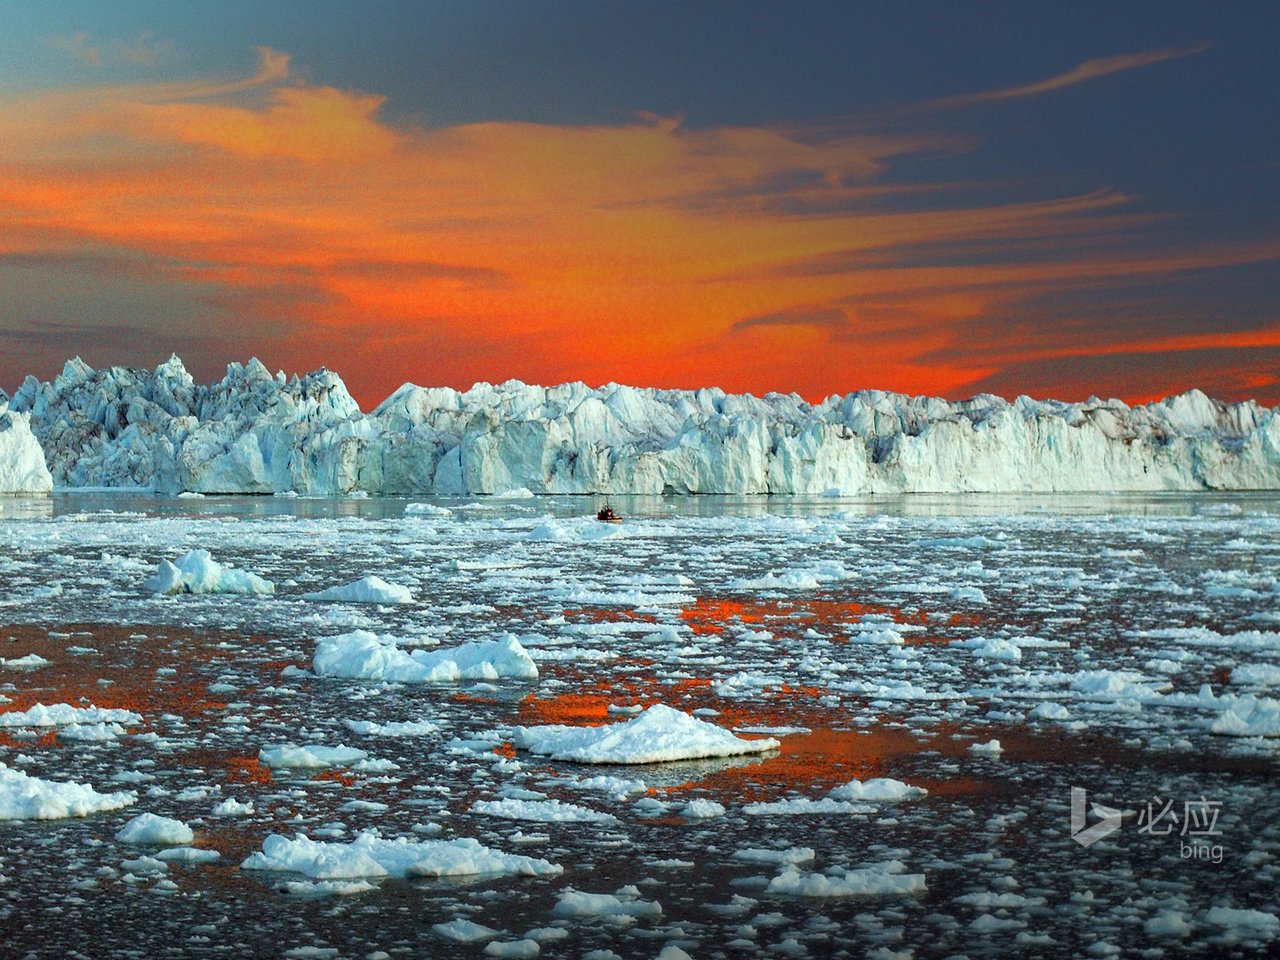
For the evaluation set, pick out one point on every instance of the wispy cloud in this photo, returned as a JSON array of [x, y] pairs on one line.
[[143, 50], [1081, 73]]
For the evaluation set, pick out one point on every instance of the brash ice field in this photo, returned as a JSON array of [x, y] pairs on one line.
[[724, 727]]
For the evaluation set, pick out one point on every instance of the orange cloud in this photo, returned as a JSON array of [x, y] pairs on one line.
[[639, 251]]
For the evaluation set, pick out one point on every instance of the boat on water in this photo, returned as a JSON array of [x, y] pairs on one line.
[[606, 515]]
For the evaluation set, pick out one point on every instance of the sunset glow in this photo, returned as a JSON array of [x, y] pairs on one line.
[[265, 209]]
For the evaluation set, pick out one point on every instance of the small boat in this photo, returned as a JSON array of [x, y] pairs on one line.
[[606, 515]]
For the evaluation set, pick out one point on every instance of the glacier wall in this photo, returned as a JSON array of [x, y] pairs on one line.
[[253, 432]]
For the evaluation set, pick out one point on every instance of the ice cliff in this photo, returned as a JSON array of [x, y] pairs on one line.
[[22, 467], [253, 432]]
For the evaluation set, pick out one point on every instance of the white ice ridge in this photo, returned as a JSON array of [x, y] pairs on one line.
[[24, 797], [22, 467], [658, 735], [256, 433], [369, 855]]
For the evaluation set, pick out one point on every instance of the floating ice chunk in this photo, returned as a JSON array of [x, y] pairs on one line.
[[426, 510], [967, 594], [393, 728], [369, 589], [517, 949], [1249, 716], [23, 797], [614, 786], [659, 734], [1252, 674], [544, 811], [856, 797], [702, 809], [1049, 711], [760, 855], [1251, 923], [990, 648], [309, 757], [990, 748], [1167, 923], [63, 715], [806, 806], [145, 865], [960, 543], [188, 855], [91, 732], [231, 807], [875, 880], [369, 855], [515, 493], [32, 661], [198, 572], [150, 830], [877, 790], [462, 930], [887, 637], [625, 903], [1117, 685], [361, 655], [326, 888]]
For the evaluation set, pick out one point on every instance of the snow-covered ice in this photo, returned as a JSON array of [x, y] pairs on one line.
[[368, 589], [24, 797], [197, 572], [659, 734], [156, 831], [361, 655], [369, 855]]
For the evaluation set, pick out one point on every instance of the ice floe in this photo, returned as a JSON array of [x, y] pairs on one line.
[[148, 829], [370, 855], [362, 655], [659, 734], [23, 797], [875, 880], [309, 757], [369, 589]]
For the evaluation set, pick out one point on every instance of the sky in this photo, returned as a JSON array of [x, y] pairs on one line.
[[933, 198]]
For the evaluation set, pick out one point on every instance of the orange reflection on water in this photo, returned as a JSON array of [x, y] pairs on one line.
[[711, 615]]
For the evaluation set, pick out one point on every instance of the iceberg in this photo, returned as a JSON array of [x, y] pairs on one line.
[[22, 466], [657, 735], [259, 433], [197, 572]]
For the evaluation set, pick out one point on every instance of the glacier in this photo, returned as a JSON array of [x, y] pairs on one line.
[[257, 433]]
